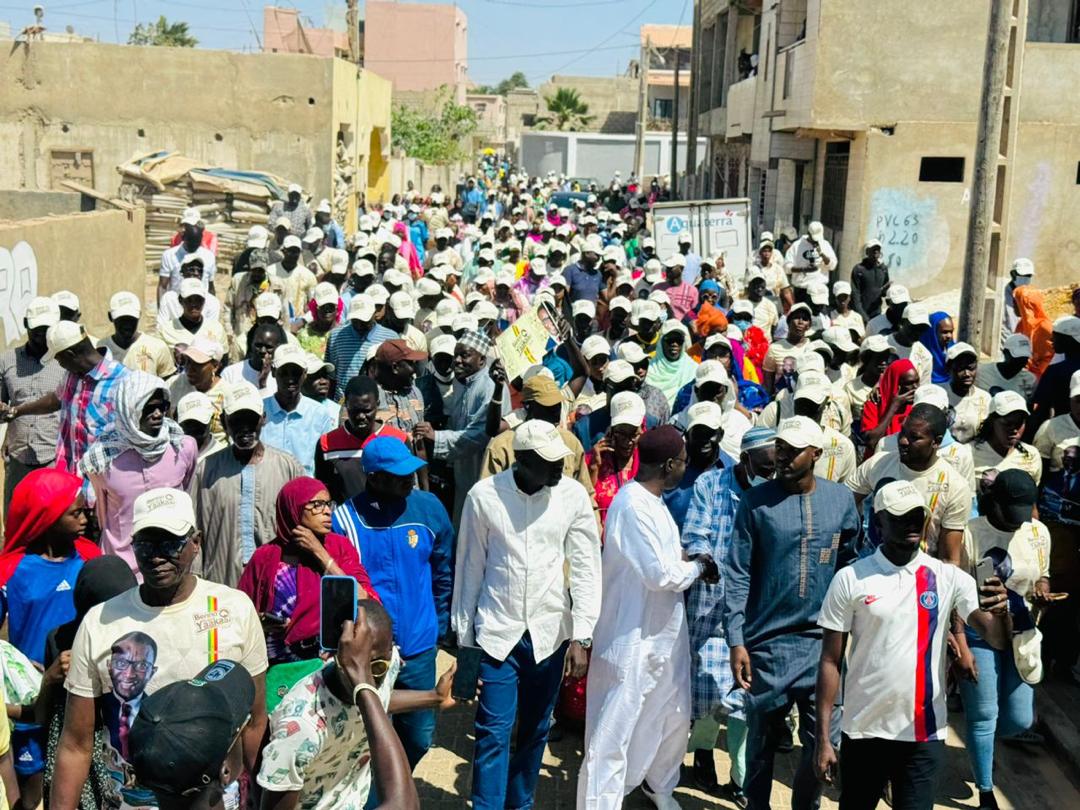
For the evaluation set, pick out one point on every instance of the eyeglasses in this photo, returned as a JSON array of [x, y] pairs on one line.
[[122, 664], [149, 548], [319, 505]]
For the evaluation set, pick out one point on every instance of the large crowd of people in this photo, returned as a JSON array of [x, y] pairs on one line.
[[705, 503]]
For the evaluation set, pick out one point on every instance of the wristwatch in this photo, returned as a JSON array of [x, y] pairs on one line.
[[586, 643]]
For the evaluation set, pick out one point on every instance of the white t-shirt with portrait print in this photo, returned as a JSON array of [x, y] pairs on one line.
[[158, 646]]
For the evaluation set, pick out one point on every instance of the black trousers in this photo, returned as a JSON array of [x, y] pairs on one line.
[[867, 765]]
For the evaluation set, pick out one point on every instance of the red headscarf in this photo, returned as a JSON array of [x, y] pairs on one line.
[[290, 504], [408, 250], [878, 401], [37, 502]]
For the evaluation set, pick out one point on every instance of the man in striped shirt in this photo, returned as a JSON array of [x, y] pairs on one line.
[[85, 398], [348, 345]]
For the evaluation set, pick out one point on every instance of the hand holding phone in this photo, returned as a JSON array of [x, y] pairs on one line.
[[338, 600]]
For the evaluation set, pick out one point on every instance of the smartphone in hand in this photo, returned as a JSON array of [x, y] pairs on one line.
[[337, 604], [984, 569], [468, 673]]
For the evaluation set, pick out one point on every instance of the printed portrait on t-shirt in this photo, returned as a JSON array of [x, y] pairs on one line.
[[1060, 500], [132, 664]]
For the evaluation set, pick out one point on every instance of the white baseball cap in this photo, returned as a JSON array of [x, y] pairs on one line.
[[931, 394], [643, 309], [584, 307], [819, 294], [754, 273], [192, 288], [363, 267], [813, 391], [428, 286], [898, 498], [465, 321], [195, 406], [402, 305], [660, 298], [190, 216], [1006, 402], [541, 437], [815, 229], [875, 344], [203, 350], [619, 302], [684, 238], [316, 364], [800, 431], [395, 278], [898, 294], [324, 207], [593, 244], [959, 348], [715, 338], [282, 222], [538, 266], [442, 344], [672, 325], [163, 508], [504, 279], [618, 370], [1068, 325], [361, 307], [654, 271], [243, 396], [840, 337], [290, 354], [291, 241], [743, 305], [707, 414], [485, 311], [627, 408], [294, 188], [258, 237], [1018, 345], [42, 312], [325, 293], [66, 299], [267, 305], [594, 345], [675, 260], [841, 288], [916, 314], [444, 233], [1023, 267], [61, 336], [630, 352], [558, 280], [711, 371]]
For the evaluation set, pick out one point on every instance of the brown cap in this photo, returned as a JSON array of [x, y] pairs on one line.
[[541, 390], [393, 351]]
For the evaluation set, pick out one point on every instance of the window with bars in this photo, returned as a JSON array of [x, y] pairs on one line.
[[834, 184]]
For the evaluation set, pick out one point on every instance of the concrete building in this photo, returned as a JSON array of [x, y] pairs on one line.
[[878, 141], [417, 46], [320, 121], [284, 33], [490, 110], [665, 45]]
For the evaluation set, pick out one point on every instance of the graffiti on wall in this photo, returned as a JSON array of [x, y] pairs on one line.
[[18, 285], [914, 238]]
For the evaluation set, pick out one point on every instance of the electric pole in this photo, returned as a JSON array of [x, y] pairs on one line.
[[352, 22], [642, 112], [675, 132], [693, 182], [987, 146]]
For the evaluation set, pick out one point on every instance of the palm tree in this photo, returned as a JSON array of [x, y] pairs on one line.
[[164, 33], [566, 110]]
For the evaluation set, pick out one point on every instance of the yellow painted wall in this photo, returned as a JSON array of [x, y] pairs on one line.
[[362, 100]]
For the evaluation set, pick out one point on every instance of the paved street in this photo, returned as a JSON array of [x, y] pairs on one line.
[[1030, 778]]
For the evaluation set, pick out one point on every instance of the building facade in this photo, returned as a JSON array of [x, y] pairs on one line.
[[863, 116], [417, 46], [664, 46]]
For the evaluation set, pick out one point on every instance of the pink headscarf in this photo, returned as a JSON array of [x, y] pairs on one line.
[[408, 250]]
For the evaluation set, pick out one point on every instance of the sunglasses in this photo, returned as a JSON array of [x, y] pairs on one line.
[[159, 548]]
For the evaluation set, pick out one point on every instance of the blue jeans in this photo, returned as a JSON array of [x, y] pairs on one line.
[[761, 741], [522, 688], [416, 729], [999, 703]]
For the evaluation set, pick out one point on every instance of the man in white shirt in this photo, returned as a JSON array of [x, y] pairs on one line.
[[809, 261], [190, 243], [521, 530], [896, 606], [637, 713]]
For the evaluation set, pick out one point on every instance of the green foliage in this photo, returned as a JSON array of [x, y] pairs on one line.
[[515, 81], [566, 111], [433, 138], [163, 33]]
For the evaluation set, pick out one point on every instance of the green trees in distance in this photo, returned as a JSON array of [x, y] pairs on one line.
[[432, 137], [514, 81], [163, 33]]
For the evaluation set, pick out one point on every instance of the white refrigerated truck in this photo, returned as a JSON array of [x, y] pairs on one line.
[[713, 225]]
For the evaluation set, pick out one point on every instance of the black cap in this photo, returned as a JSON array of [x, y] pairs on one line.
[[1016, 493], [184, 731], [99, 580]]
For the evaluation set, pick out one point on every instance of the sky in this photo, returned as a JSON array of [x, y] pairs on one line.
[[537, 37]]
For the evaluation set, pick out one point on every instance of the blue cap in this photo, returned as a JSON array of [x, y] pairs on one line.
[[387, 454], [709, 286], [756, 437]]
